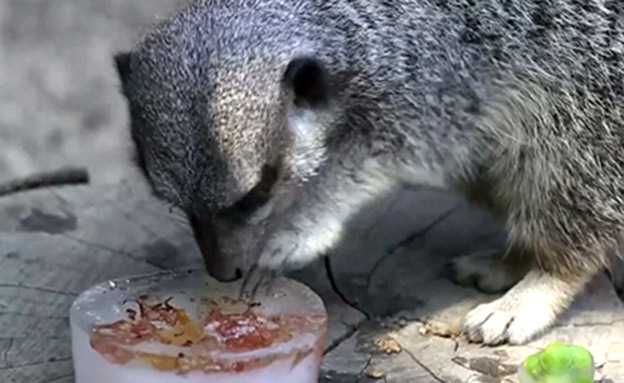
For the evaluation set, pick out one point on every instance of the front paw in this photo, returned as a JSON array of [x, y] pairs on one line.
[[508, 320], [273, 260], [292, 249], [278, 254]]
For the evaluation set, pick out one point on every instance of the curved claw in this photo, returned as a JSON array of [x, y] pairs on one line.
[[256, 278], [250, 282]]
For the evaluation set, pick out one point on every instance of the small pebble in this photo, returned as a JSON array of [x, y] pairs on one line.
[[375, 374], [389, 346]]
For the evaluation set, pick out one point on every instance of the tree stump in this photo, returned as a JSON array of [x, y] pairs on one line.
[[392, 311]]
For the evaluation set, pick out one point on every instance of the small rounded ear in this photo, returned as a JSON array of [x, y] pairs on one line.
[[308, 80], [122, 62]]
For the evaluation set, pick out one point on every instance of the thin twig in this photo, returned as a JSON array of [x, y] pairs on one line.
[[65, 176]]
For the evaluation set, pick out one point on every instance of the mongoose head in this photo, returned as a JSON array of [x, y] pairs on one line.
[[228, 117]]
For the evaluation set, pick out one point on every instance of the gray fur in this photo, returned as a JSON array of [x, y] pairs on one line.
[[523, 97]]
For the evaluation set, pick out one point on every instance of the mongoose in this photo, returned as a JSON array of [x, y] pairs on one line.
[[271, 122]]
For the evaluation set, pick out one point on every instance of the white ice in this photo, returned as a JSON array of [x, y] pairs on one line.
[[108, 302]]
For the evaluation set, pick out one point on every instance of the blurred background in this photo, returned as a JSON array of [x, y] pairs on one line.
[[60, 103]]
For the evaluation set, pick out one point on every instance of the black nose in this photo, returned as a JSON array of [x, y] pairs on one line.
[[221, 264]]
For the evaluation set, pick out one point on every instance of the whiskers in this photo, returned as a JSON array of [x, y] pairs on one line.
[[179, 218]]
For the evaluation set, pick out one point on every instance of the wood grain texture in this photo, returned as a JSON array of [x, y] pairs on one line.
[[387, 284]]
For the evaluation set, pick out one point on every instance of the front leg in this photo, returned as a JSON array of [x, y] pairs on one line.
[[525, 311], [314, 222]]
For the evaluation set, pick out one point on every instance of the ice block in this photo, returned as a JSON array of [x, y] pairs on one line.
[[185, 327], [558, 363]]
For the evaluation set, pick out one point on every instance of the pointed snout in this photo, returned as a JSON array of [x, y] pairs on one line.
[[224, 248]]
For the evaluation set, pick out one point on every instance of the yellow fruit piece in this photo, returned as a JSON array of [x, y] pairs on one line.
[[185, 333], [161, 363]]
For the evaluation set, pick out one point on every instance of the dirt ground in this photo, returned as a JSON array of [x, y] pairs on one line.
[[59, 99]]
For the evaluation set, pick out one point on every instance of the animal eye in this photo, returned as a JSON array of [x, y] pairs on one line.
[[260, 194]]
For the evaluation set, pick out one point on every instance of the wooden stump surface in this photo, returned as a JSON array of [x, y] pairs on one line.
[[390, 302]]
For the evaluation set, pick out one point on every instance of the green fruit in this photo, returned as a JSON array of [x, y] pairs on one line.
[[581, 358], [556, 358], [558, 363], [533, 366]]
